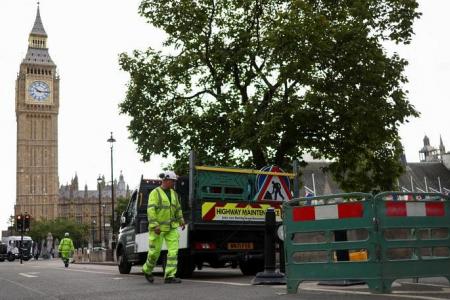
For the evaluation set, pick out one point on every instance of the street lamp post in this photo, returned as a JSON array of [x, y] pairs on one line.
[[104, 224], [11, 224], [99, 185], [93, 233], [111, 140]]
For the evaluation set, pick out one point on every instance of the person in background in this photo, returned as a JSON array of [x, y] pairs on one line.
[[66, 249]]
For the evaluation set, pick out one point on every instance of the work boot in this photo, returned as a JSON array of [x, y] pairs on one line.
[[172, 280], [149, 277]]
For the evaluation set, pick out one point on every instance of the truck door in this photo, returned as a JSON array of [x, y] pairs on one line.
[[129, 230]]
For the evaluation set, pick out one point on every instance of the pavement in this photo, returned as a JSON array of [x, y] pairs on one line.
[[50, 280]]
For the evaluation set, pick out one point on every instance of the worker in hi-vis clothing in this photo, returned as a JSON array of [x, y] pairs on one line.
[[66, 249], [164, 217]]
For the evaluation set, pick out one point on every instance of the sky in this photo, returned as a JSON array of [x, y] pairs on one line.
[[85, 38]]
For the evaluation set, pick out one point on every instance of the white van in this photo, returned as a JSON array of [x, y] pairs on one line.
[[13, 247]]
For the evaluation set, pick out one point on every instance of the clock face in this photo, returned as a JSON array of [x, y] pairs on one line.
[[39, 90]]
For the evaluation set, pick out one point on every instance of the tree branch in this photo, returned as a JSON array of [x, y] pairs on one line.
[[259, 71], [237, 82], [268, 95], [218, 84], [198, 94]]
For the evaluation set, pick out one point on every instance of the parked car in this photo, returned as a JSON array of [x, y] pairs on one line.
[[3, 251], [99, 249]]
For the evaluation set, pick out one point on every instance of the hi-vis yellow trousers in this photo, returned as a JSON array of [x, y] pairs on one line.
[[155, 243]]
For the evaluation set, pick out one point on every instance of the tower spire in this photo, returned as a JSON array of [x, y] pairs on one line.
[[441, 145], [37, 43], [38, 28]]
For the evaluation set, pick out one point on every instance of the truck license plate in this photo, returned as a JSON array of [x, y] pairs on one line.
[[240, 246]]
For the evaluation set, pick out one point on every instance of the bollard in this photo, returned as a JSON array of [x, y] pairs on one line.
[[270, 274]]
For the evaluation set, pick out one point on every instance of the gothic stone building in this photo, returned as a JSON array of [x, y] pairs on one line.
[[431, 174], [91, 207], [37, 107]]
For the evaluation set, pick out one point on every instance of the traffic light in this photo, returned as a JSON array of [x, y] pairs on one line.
[[26, 222], [19, 223]]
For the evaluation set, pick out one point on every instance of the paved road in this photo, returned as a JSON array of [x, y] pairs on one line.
[[50, 280]]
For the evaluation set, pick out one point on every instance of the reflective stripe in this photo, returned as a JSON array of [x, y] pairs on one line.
[[159, 197], [159, 206]]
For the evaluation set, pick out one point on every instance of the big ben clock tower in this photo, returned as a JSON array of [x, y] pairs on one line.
[[37, 106]]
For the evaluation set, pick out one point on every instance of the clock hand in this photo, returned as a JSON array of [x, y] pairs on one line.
[[45, 92]]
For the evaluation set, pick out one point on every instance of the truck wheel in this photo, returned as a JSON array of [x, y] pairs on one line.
[[251, 266], [2, 259], [124, 265], [11, 257]]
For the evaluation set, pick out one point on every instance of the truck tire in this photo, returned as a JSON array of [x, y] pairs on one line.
[[122, 262], [2, 259], [11, 257], [251, 267]]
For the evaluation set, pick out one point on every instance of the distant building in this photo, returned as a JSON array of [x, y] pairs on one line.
[[428, 153], [85, 206], [431, 174]]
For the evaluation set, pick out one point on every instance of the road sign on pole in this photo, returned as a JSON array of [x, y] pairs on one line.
[[272, 187]]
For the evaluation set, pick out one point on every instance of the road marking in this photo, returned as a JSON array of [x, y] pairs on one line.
[[117, 278], [28, 288], [84, 271], [427, 284], [27, 275], [218, 282], [445, 291], [188, 280], [370, 294]]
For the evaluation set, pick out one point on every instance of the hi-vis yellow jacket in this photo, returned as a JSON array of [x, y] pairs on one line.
[[66, 246], [162, 212]]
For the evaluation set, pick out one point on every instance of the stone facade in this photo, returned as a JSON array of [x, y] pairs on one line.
[[85, 206], [431, 174], [37, 107]]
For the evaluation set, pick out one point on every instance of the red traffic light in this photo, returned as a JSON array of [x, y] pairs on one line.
[[19, 223], [26, 222]]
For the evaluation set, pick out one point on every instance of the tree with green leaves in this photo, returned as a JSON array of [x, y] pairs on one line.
[[79, 233], [258, 82]]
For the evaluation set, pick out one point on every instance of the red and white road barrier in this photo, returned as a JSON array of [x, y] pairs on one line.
[[414, 209], [327, 212]]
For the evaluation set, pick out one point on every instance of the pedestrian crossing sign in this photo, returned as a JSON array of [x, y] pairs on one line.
[[273, 187]]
